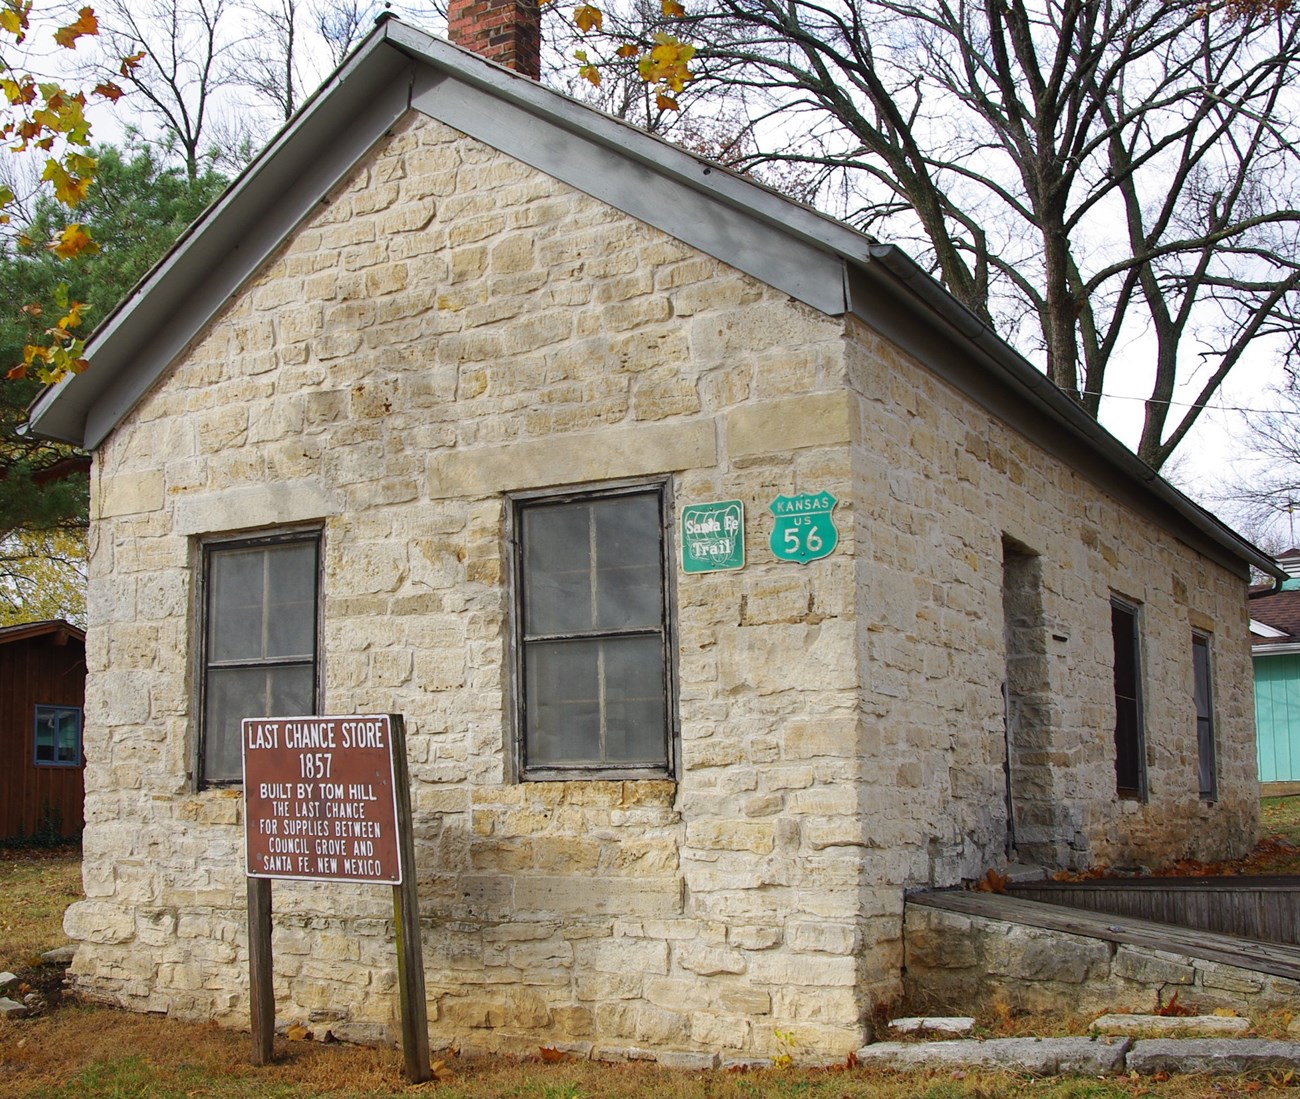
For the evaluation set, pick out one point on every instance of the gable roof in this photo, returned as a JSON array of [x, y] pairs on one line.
[[1277, 611], [63, 631], [808, 255]]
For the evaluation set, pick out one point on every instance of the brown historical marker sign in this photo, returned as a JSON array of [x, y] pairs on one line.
[[319, 799]]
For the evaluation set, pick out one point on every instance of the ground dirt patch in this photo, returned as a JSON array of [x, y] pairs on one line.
[[83, 1051]]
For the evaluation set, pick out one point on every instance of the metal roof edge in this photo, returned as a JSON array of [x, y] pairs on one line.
[[62, 411], [1016, 371]]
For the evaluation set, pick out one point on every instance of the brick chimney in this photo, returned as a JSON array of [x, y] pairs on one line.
[[508, 32]]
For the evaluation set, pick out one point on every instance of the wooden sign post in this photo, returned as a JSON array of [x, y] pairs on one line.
[[328, 799]]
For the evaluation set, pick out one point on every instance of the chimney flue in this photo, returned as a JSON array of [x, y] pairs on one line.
[[508, 32]]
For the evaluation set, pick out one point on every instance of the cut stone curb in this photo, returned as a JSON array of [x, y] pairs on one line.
[[942, 1024], [1043, 1056], [1178, 1024], [1214, 1055]]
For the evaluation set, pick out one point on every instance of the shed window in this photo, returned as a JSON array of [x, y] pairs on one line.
[[1130, 751], [58, 736], [259, 642], [592, 634], [1204, 698]]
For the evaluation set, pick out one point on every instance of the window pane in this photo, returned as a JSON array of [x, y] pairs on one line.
[[635, 717], [1129, 765], [557, 569], [562, 701], [1205, 765], [68, 738], [629, 563], [235, 623], [237, 693], [45, 735], [291, 601], [58, 736], [232, 695]]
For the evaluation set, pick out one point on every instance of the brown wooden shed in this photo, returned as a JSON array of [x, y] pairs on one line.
[[42, 690]]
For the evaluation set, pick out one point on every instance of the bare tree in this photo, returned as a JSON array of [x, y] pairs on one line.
[[268, 62], [186, 47], [1076, 172], [1263, 495]]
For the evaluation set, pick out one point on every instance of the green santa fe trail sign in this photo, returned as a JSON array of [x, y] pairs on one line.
[[804, 530], [713, 536]]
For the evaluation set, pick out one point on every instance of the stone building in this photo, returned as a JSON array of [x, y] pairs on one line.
[[412, 421]]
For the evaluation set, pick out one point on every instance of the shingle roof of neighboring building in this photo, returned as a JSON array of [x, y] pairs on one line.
[[1275, 608]]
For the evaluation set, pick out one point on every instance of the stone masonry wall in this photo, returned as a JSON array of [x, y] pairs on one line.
[[958, 962], [939, 492], [450, 326]]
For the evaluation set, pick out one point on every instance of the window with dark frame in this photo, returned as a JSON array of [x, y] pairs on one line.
[[1203, 692], [259, 641], [58, 736], [1130, 750], [592, 634]]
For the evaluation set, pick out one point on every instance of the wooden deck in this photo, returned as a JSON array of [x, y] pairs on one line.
[[1277, 959], [1265, 908]]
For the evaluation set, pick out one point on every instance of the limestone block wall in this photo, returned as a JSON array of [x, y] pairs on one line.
[[451, 326], [942, 494], [957, 962], [448, 327]]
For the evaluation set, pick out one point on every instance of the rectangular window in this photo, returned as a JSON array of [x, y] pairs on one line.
[[58, 736], [259, 641], [592, 634], [1130, 750], [1204, 696]]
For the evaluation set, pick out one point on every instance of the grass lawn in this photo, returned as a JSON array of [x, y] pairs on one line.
[[1280, 817], [82, 1051]]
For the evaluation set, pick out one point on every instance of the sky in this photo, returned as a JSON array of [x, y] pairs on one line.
[[1215, 450]]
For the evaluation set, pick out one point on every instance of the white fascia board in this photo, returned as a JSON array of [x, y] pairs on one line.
[[539, 126], [1262, 629], [1262, 651]]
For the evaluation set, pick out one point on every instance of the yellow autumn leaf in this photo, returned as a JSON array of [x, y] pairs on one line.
[[665, 102], [591, 74], [73, 241], [672, 9], [626, 50], [69, 189], [86, 24], [70, 320], [14, 18], [588, 18]]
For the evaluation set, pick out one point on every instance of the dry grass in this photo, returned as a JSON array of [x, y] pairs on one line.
[[37, 885], [1280, 818], [96, 1053], [90, 1052]]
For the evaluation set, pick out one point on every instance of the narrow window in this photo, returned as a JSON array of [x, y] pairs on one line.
[[259, 642], [1130, 763], [592, 635], [58, 736], [1204, 696]]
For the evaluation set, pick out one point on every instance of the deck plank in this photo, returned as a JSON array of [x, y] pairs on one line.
[[1276, 959]]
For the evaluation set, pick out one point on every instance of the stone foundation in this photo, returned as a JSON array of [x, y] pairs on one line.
[[956, 961]]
